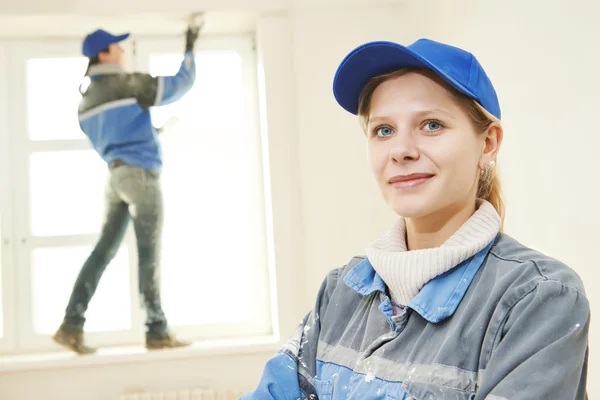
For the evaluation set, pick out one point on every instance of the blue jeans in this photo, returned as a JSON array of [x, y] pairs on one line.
[[131, 193]]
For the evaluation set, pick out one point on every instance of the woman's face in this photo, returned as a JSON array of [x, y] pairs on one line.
[[422, 147]]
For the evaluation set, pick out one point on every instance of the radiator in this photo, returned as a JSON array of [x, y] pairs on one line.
[[183, 394]]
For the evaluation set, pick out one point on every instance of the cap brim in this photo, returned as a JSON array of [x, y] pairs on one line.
[[374, 59], [120, 38]]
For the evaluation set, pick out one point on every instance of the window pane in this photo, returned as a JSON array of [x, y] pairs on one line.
[[216, 100], [54, 271], [53, 96], [66, 192], [211, 196]]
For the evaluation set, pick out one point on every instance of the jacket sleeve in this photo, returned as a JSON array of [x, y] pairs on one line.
[[279, 380], [162, 90], [288, 375], [542, 348]]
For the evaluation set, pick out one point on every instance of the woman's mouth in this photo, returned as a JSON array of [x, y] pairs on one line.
[[409, 181]]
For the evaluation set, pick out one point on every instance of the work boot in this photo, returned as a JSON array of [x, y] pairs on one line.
[[72, 339], [164, 341]]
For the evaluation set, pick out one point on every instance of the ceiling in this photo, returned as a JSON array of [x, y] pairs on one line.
[[74, 18]]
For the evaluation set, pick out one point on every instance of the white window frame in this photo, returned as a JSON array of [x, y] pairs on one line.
[[7, 277], [17, 240]]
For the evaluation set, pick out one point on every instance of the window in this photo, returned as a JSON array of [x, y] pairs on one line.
[[66, 192], [215, 149], [214, 235], [210, 142], [51, 110]]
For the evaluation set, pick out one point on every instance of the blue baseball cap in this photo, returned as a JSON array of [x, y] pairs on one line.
[[99, 40], [456, 66]]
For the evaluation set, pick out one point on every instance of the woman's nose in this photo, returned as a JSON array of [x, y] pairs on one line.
[[404, 148]]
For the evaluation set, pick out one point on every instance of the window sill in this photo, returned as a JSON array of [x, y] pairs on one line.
[[128, 355]]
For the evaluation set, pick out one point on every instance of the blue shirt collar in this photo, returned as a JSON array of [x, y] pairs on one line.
[[438, 299]]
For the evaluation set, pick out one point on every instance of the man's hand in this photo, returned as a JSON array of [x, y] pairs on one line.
[[192, 33]]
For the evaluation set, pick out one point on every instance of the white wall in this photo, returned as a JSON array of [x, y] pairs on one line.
[[542, 60], [107, 382], [117, 7], [51, 27]]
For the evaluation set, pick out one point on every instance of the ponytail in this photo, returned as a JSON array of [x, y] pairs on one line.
[[489, 189]]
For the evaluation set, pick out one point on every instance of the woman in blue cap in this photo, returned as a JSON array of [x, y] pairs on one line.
[[114, 113], [444, 305]]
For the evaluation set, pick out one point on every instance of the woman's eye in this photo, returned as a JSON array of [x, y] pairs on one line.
[[433, 125], [384, 131]]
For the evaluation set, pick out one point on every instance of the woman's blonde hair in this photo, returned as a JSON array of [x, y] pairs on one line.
[[489, 184]]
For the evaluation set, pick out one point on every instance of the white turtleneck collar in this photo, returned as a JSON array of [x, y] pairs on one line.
[[405, 272]]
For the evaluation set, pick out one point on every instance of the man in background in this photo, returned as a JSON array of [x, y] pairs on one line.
[[114, 113]]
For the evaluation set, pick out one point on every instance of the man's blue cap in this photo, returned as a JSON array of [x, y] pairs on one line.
[[456, 66], [99, 40]]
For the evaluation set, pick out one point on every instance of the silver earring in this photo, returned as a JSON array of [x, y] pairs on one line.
[[485, 172]]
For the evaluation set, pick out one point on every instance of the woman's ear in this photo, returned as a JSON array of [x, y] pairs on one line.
[[491, 145]]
